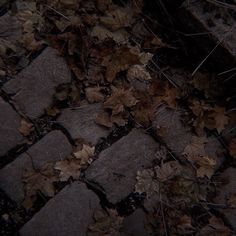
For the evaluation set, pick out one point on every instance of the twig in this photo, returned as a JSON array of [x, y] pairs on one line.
[[222, 4], [59, 13], [227, 71], [202, 62]]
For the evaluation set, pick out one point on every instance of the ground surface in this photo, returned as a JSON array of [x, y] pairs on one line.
[[108, 126]]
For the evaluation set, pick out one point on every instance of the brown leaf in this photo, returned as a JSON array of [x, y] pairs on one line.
[[106, 222], [94, 95], [138, 72], [120, 99], [85, 155], [121, 59], [146, 183], [167, 170], [118, 18], [68, 168], [103, 118], [25, 127], [38, 181], [217, 119]]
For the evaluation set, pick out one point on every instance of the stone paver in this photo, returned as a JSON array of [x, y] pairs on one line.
[[68, 214], [9, 128], [33, 88], [114, 172], [80, 123], [134, 225], [10, 28], [53, 147], [214, 20], [226, 195], [176, 135]]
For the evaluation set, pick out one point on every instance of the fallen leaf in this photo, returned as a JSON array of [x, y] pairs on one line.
[[25, 127], [38, 181], [206, 167], [120, 36], [167, 170], [146, 183], [106, 222], [120, 99], [68, 168], [120, 60], [103, 118], [94, 95], [85, 155], [138, 72], [118, 18]]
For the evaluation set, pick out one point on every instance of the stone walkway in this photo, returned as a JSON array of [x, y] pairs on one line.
[[112, 176]]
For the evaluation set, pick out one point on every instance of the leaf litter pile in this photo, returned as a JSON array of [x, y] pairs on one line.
[[111, 48]]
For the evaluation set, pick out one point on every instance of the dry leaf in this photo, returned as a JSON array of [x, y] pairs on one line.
[[118, 18], [119, 36], [25, 127], [120, 99], [106, 223], [94, 95], [217, 119], [85, 155], [146, 183], [103, 118], [121, 59], [167, 170], [68, 168], [206, 167], [38, 181], [138, 72]]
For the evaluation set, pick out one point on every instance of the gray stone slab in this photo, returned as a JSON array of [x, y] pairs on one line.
[[114, 172], [80, 123], [172, 130], [9, 128], [33, 88], [53, 147], [10, 28], [215, 20], [68, 214], [227, 193]]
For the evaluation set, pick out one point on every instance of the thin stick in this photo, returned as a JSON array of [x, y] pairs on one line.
[[204, 60], [59, 13], [227, 71]]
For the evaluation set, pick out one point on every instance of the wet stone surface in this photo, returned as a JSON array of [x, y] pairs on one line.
[[9, 128], [80, 123], [51, 148], [114, 172], [68, 213], [33, 88]]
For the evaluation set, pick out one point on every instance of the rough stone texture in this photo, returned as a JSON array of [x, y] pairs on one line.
[[10, 28], [51, 148], [67, 214], [227, 190], [216, 20], [80, 123], [134, 225], [33, 87], [176, 135], [171, 129], [9, 128], [114, 172]]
